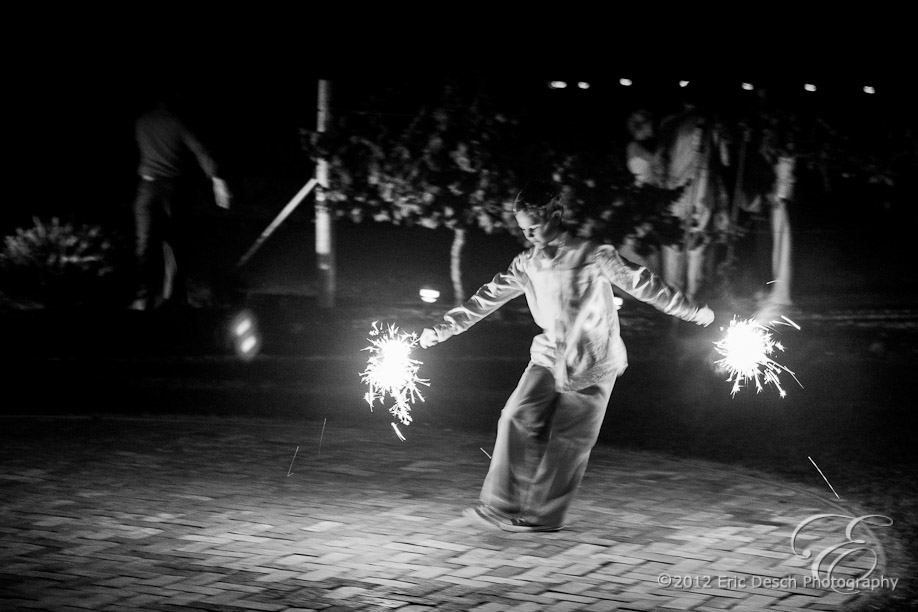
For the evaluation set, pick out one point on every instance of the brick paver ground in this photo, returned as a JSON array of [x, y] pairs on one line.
[[122, 513]]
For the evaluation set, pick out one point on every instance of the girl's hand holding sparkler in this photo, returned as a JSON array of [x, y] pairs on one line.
[[428, 338], [704, 316]]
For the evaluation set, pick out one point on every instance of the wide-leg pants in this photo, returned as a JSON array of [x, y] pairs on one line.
[[544, 440], [159, 242]]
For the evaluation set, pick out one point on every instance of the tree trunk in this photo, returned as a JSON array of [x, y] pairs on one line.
[[781, 253], [325, 253], [455, 264]]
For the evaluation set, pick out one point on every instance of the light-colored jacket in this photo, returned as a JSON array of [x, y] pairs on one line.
[[570, 297]]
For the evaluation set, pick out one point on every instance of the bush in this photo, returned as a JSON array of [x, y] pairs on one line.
[[59, 265]]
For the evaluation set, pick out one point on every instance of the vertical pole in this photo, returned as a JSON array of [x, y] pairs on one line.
[[325, 252], [781, 231], [737, 194], [696, 194], [455, 265]]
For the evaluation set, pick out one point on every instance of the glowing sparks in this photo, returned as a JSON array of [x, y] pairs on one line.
[[746, 349], [391, 371], [290, 469], [397, 432], [322, 435], [823, 476]]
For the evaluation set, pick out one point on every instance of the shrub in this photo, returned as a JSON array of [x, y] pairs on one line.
[[54, 264]]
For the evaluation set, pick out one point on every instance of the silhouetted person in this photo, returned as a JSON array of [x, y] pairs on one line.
[[693, 152], [641, 153], [644, 161], [162, 205]]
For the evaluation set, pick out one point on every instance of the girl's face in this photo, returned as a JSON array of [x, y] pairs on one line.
[[538, 230]]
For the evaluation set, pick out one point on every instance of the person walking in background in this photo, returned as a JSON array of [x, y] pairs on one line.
[[641, 153], [686, 166], [161, 207], [771, 232], [643, 160], [551, 422]]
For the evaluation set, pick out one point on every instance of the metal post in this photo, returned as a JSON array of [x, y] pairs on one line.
[[325, 251]]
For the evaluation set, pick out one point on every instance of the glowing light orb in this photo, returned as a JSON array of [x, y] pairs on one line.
[[746, 351], [625, 82], [809, 87], [683, 83], [748, 86], [583, 85], [429, 295], [245, 336], [244, 326], [391, 371], [248, 344]]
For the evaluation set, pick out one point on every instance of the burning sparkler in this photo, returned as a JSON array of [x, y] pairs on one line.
[[747, 349], [391, 370]]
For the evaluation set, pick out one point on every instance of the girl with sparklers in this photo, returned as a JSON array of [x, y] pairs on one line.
[[551, 422]]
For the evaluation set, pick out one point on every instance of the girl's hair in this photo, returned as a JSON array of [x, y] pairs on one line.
[[539, 197]]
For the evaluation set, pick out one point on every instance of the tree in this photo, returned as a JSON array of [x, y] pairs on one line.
[[448, 155], [443, 163]]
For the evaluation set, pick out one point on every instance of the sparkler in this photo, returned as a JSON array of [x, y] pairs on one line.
[[391, 371], [747, 349]]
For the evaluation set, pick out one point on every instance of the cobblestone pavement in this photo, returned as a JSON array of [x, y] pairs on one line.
[[121, 513]]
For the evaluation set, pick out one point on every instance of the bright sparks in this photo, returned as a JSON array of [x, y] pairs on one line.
[[391, 371], [746, 349]]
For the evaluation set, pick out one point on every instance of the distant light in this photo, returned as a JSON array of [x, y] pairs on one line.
[[429, 295], [683, 83], [245, 337], [557, 84], [248, 344], [869, 90], [747, 86], [618, 302], [809, 87], [625, 82], [583, 85]]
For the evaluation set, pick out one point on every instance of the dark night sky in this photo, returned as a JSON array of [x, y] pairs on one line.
[[76, 90]]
